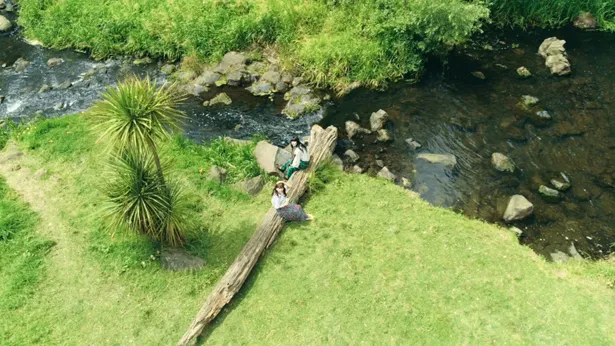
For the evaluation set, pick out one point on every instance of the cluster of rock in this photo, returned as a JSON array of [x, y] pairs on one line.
[[538, 116], [259, 78], [554, 53]]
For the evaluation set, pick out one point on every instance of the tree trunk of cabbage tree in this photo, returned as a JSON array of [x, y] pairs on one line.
[[321, 145]]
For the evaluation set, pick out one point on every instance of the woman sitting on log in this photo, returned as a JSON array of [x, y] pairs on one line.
[[300, 160], [288, 212]]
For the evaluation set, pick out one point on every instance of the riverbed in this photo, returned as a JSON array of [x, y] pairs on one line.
[[449, 112]]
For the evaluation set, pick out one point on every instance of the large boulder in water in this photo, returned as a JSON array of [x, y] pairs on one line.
[[301, 100], [554, 53], [221, 98], [269, 156], [518, 208], [378, 119], [502, 162], [5, 24]]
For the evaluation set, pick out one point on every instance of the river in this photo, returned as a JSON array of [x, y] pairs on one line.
[[449, 111]]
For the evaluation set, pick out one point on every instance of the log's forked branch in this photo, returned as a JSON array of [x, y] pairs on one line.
[[321, 145]]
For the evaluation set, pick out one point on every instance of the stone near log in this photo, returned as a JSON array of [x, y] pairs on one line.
[[548, 193], [378, 119], [53, 62], [352, 129], [217, 174], [443, 159], [221, 98], [414, 145], [523, 72], [384, 136], [337, 162], [261, 88], [185, 76], [44, 88], [351, 155], [252, 186], [20, 65], [207, 78], [5, 24], [518, 208], [386, 174], [270, 156], [168, 69], [585, 21], [554, 53], [502, 162], [175, 259]]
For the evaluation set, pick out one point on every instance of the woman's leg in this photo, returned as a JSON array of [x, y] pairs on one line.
[[290, 171], [286, 165]]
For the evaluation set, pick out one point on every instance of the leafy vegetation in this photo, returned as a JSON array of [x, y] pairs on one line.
[[135, 117], [405, 272]]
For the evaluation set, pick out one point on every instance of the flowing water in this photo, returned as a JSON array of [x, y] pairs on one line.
[[450, 111]]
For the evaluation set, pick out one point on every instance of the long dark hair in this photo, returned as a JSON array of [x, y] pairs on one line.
[[275, 187], [299, 144]]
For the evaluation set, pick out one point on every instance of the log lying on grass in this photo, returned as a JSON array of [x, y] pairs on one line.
[[321, 145]]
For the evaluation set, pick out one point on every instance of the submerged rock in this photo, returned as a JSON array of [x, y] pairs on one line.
[[301, 100], [44, 88], [443, 159], [142, 61], [352, 129], [518, 208], [479, 75], [523, 72], [53, 62], [548, 193], [386, 174], [2, 4], [585, 21], [554, 53], [378, 119], [502, 162], [561, 186], [351, 155], [527, 102], [65, 85], [5, 24], [20, 65], [384, 136], [414, 145]]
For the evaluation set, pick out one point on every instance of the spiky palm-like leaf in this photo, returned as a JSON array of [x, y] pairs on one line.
[[143, 202], [137, 113]]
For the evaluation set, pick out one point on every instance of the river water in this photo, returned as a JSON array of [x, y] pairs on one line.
[[450, 111]]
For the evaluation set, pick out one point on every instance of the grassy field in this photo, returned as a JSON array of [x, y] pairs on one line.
[[404, 272]]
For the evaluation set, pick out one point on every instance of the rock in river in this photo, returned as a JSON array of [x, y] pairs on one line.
[[386, 174], [548, 193], [414, 145], [518, 208], [5, 24], [502, 162], [443, 159], [561, 186], [53, 62], [20, 65], [523, 72], [378, 119], [351, 155], [353, 129], [384, 136], [222, 98], [554, 53]]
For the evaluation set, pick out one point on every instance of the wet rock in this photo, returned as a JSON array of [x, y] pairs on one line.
[[380, 163], [231, 61], [175, 259], [53, 62], [352, 129], [40, 173], [565, 128], [281, 87], [527, 102], [273, 77], [523, 72], [269, 156], [236, 78], [261, 88], [168, 69], [548, 193], [572, 250], [351, 155], [543, 115], [561, 185], [502, 162], [5, 24], [20, 65], [337, 162], [59, 106], [518, 208], [516, 231], [356, 169], [585, 21], [252, 186], [2, 99], [414, 145], [217, 174], [443, 159], [194, 89], [208, 78], [378, 119], [554, 53], [301, 100], [44, 88], [142, 61], [406, 183], [221, 98], [64, 85], [384, 136], [479, 75], [386, 174], [185, 76]]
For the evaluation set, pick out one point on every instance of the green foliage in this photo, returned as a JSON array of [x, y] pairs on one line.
[[137, 114], [141, 201]]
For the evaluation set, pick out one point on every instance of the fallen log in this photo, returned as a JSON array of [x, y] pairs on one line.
[[321, 145]]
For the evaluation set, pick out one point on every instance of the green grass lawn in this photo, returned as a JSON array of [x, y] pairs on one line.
[[378, 266]]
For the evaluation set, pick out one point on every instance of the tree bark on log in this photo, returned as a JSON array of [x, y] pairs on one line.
[[321, 145]]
